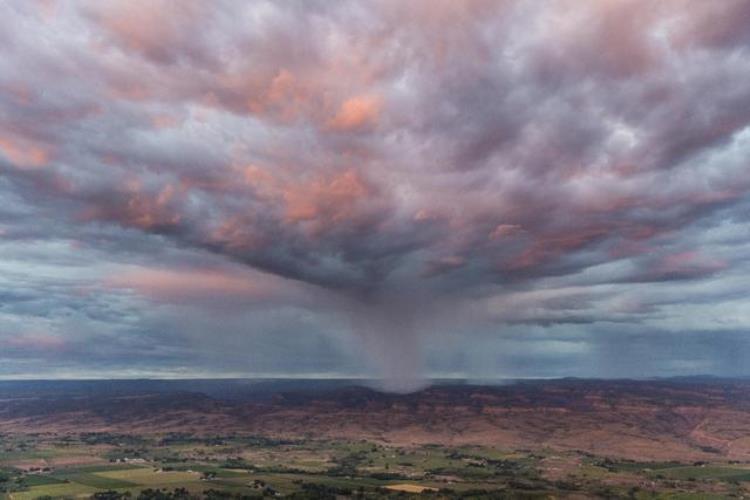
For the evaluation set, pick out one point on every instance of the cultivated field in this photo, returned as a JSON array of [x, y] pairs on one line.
[[247, 466]]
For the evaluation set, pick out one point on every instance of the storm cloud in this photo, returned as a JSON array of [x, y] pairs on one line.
[[463, 185]]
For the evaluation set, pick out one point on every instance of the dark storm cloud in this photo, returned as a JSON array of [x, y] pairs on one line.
[[523, 164]]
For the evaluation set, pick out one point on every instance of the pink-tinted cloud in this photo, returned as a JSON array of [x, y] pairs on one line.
[[684, 265], [157, 30], [34, 342], [245, 141], [179, 285], [331, 199], [356, 113], [24, 154]]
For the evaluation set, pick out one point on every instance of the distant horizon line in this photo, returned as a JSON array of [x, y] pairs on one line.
[[355, 377]]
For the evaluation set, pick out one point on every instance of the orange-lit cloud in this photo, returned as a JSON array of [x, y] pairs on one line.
[[356, 113], [329, 199], [24, 154]]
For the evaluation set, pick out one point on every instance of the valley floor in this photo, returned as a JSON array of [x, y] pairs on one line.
[[105, 465]]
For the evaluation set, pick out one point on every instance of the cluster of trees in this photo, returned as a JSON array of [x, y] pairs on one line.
[[5, 480], [111, 438], [347, 465], [147, 494], [176, 494], [325, 492], [10, 482], [225, 495]]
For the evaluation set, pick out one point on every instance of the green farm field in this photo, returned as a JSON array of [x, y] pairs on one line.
[[170, 466]]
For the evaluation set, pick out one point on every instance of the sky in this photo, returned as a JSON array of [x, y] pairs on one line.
[[387, 189]]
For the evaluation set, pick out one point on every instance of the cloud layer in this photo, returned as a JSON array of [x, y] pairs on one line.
[[180, 182]]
